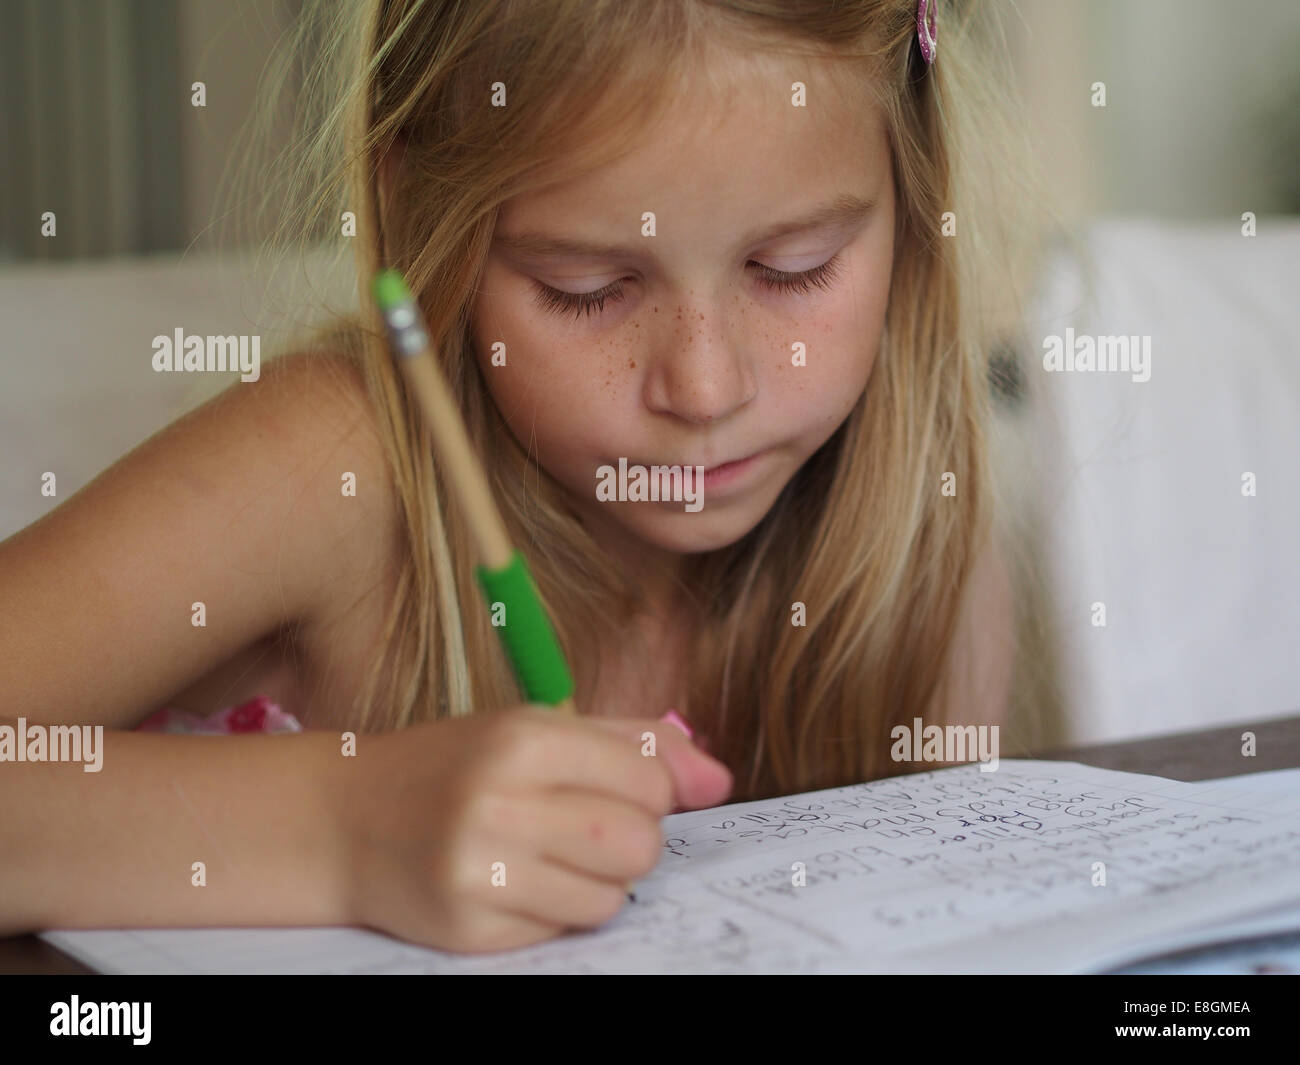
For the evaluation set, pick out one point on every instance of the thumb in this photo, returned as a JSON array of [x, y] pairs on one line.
[[699, 781]]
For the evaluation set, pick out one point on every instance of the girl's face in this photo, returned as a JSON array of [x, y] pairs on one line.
[[744, 325]]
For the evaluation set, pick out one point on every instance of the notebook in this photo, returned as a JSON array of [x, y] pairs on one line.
[[1037, 867]]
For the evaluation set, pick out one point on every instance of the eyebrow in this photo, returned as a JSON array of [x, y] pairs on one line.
[[843, 212]]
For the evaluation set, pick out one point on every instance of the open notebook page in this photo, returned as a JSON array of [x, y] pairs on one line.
[[954, 870]]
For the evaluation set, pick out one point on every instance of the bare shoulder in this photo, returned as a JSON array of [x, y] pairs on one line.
[[324, 463], [314, 409], [229, 525], [338, 510]]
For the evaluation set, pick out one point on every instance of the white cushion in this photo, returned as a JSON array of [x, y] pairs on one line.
[[1142, 482], [77, 387]]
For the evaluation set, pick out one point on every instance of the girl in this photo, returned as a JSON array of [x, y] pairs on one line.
[[727, 235]]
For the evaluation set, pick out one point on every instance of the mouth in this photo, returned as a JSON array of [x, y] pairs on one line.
[[722, 467], [734, 464], [729, 472], [721, 480]]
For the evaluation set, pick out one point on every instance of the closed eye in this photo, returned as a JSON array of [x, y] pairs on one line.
[[821, 276], [578, 304]]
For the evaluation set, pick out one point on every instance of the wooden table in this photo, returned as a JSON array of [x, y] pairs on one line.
[[1179, 756]]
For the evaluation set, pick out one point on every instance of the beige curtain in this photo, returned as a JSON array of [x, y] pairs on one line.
[[90, 99]]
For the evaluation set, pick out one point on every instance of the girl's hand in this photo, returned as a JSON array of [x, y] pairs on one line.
[[504, 829]]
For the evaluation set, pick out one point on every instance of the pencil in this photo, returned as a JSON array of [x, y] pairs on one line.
[[528, 636], [503, 575]]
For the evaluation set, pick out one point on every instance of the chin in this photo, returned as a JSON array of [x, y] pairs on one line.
[[693, 534]]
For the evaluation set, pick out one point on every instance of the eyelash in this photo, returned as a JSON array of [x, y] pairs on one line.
[[779, 280]]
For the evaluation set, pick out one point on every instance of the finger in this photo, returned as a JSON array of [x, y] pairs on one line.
[[493, 930], [699, 780], [569, 752], [544, 891], [591, 833]]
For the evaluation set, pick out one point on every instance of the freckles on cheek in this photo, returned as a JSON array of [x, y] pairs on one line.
[[555, 378], [600, 369], [614, 357]]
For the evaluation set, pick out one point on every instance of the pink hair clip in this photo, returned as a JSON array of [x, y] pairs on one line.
[[926, 31]]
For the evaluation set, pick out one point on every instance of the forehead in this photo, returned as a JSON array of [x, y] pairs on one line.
[[743, 138]]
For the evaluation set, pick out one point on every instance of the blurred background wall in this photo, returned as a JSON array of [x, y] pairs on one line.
[[98, 126], [1202, 115]]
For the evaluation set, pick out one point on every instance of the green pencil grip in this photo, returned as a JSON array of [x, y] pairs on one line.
[[527, 635]]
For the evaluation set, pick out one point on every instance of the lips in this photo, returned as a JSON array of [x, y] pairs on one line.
[[707, 469], [733, 462]]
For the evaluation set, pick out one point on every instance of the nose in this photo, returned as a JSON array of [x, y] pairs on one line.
[[699, 374]]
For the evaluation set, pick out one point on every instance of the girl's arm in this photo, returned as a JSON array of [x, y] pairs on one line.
[[117, 848], [237, 506]]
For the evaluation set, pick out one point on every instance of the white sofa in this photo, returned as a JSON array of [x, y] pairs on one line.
[[77, 385], [1140, 484]]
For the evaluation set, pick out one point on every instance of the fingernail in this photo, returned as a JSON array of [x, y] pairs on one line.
[[674, 718]]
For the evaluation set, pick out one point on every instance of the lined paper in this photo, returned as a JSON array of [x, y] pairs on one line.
[[953, 870]]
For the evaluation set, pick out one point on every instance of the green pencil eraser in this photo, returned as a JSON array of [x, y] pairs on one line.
[[389, 290]]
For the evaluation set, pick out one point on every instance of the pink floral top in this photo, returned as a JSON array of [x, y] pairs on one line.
[[259, 714]]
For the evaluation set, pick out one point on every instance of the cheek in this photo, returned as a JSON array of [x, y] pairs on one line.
[[843, 340], [555, 389]]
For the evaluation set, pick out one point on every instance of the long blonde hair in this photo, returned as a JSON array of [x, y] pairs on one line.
[[862, 536]]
